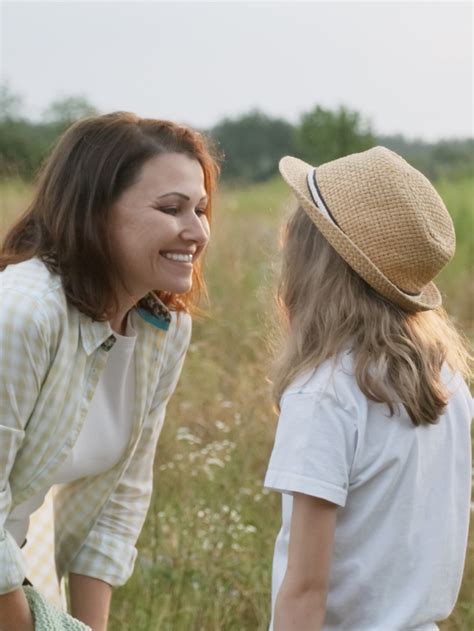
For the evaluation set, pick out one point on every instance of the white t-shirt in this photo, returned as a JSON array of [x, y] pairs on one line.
[[104, 435], [403, 492]]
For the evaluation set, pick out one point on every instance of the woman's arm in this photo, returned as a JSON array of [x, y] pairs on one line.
[[24, 361], [90, 601], [301, 600], [15, 612]]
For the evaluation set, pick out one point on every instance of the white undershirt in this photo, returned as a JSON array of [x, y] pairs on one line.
[[104, 435]]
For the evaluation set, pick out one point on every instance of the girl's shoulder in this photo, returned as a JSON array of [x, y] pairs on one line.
[[333, 371], [334, 379], [459, 393]]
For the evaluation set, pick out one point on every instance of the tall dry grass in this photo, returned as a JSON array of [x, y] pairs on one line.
[[205, 552]]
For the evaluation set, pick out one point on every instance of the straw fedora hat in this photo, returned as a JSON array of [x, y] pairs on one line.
[[383, 217]]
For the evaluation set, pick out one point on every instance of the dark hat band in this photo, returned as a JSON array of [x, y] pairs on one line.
[[318, 198]]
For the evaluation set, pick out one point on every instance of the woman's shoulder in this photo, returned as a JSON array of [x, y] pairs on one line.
[[179, 331], [30, 278], [30, 291]]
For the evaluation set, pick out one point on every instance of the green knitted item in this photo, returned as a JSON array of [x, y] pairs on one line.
[[48, 617]]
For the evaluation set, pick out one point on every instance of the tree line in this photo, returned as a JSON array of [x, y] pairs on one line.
[[249, 145]]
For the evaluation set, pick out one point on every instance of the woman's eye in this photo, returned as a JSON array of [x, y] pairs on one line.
[[174, 210]]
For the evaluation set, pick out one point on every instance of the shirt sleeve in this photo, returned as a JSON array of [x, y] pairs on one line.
[[109, 551], [314, 447], [23, 366]]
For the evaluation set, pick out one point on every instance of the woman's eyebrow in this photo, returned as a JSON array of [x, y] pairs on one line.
[[181, 195]]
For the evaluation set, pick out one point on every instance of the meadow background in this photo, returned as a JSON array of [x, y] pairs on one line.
[[315, 79], [205, 552]]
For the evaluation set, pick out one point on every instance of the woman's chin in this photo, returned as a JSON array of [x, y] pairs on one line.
[[178, 288]]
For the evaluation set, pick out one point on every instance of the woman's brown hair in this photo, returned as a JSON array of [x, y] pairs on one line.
[[325, 308], [66, 225]]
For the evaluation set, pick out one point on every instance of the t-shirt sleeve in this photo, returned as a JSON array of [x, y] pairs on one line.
[[314, 447]]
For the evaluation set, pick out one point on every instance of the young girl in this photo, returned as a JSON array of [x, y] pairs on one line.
[[98, 280], [372, 451]]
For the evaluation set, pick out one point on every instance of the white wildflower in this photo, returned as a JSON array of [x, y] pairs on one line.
[[222, 426], [234, 515], [215, 461]]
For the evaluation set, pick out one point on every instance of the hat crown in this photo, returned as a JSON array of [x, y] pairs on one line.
[[392, 213]]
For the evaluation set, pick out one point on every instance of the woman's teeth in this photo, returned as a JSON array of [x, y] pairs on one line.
[[185, 258]]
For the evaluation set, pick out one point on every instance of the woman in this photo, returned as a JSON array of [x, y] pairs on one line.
[[373, 450], [98, 281]]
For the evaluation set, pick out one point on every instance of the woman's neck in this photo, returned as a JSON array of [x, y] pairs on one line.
[[125, 302], [119, 323]]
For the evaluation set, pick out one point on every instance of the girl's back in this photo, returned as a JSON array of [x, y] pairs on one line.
[[402, 491]]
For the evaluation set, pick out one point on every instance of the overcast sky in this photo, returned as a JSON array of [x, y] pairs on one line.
[[406, 66]]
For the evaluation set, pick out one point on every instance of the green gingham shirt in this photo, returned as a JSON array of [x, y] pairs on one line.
[[51, 359]]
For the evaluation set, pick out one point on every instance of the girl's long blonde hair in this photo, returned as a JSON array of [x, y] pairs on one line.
[[326, 308]]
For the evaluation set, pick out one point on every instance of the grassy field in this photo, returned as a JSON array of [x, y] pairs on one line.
[[205, 552]]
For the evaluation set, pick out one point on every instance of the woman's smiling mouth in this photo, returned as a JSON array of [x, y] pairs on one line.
[[178, 257]]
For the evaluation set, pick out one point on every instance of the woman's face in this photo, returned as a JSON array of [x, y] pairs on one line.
[[158, 226]]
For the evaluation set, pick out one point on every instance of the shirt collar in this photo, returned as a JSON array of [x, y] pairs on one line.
[[150, 308], [154, 311]]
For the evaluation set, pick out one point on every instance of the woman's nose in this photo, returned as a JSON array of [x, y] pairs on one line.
[[196, 229]]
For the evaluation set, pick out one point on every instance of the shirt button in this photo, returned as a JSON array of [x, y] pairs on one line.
[[109, 342]]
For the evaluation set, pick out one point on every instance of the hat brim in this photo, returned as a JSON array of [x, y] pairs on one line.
[[295, 173]]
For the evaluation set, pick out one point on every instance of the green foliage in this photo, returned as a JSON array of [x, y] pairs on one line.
[[457, 279], [64, 112], [23, 146], [443, 159], [23, 143], [10, 103], [253, 144], [325, 135]]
